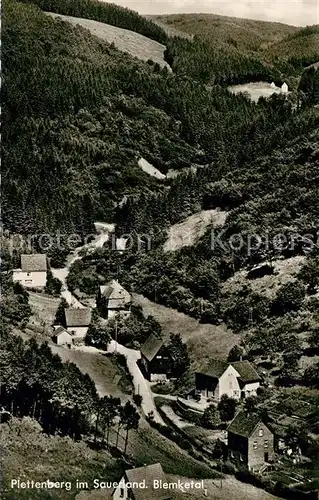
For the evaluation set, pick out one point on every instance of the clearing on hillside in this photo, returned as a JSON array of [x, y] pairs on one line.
[[125, 40], [203, 340], [284, 272], [150, 170], [186, 233]]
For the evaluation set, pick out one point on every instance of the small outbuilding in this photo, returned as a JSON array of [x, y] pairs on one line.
[[62, 337]]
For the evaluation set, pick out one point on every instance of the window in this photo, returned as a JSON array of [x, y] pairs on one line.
[[261, 433], [266, 443], [121, 492], [255, 445]]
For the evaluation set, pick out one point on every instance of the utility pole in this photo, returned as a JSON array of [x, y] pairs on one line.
[[201, 306], [250, 316], [155, 298], [115, 350]]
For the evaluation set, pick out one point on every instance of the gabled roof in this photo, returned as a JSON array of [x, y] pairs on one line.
[[152, 346], [33, 262], [147, 473], [60, 330], [77, 317], [244, 424], [247, 372], [215, 368], [116, 294]]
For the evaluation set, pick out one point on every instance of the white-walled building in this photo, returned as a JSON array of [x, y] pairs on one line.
[[141, 484], [62, 337], [33, 272], [238, 380], [77, 321], [284, 88], [113, 299]]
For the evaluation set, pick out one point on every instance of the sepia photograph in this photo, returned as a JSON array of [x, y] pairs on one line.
[[159, 250]]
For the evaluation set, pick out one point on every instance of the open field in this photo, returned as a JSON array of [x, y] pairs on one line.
[[255, 90], [204, 340], [150, 170], [43, 306], [187, 232], [125, 40], [108, 376]]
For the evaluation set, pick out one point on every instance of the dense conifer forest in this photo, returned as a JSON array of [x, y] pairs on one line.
[[78, 115]]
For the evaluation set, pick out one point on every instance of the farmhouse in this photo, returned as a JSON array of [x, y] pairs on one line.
[[112, 299], [33, 272], [141, 484], [62, 337], [238, 380], [250, 441], [77, 321], [155, 359]]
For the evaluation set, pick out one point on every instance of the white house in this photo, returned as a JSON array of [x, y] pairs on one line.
[[273, 85], [62, 337], [284, 88], [238, 380], [113, 299], [142, 483], [77, 321], [33, 272]]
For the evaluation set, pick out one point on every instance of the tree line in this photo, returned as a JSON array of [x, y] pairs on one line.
[[36, 383]]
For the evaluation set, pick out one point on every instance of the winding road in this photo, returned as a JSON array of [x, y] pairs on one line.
[[132, 356]]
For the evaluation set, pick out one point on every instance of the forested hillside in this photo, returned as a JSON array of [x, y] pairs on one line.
[[89, 111], [105, 12], [242, 50]]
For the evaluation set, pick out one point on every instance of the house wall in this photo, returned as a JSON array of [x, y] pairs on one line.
[[34, 279], [156, 370], [228, 384], [259, 445], [121, 492], [206, 386], [251, 389], [158, 377], [63, 339], [78, 331], [237, 448]]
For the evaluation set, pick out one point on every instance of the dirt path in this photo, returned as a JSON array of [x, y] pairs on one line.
[[88, 358], [141, 385]]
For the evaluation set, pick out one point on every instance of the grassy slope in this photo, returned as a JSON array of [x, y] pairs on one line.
[[203, 340], [27, 453], [125, 40], [246, 33]]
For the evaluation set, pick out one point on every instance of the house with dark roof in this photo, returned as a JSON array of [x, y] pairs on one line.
[[112, 300], [142, 483], [237, 379], [33, 271], [250, 441], [77, 321], [62, 337], [154, 358]]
